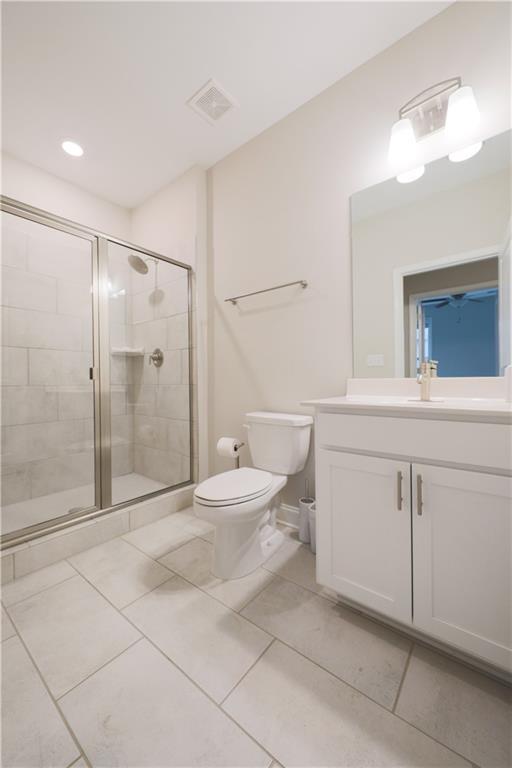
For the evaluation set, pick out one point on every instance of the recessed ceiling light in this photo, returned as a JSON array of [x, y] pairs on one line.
[[72, 148]]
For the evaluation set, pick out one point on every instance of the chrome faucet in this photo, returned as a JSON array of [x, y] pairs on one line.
[[428, 371]]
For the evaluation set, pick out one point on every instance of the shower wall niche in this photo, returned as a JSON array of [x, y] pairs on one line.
[[96, 405]]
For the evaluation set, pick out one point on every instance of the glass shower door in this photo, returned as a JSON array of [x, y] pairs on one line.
[[149, 347], [48, 403]]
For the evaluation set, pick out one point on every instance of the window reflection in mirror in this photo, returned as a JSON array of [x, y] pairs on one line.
[[431, 269]]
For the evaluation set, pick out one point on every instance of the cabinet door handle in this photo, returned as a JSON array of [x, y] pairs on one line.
[[399, 497], [419, 494]]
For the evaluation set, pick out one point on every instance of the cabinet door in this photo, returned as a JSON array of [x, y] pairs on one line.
[[462, 524], [364, 530]]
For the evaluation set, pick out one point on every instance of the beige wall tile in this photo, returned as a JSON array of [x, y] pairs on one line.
[[151, 431], [76, 402], [62, 472], [59, 367], [15, 483], [28, 290], [74, 298], [173, 401], [28, 328], [28, 405], [177, 332], [14, 366], [7, 567]]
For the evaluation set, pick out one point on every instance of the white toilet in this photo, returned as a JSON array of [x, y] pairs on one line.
[[242, 504]]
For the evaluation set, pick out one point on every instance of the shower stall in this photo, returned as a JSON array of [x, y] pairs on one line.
[[96, 373]]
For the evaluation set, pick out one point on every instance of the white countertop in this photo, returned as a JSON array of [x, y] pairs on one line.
[[464, 408]]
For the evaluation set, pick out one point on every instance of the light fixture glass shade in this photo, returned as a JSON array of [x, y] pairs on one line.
[[464, 154], [463, 115], [412, 175], [72, 148], [402, 144]]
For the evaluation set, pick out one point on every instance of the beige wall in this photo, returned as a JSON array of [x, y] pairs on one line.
[[279, 211], [40, 189]]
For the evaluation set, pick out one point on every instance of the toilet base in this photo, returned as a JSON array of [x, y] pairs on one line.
[[240, 549]]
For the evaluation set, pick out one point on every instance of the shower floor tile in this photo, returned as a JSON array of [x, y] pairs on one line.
[[44, 508]]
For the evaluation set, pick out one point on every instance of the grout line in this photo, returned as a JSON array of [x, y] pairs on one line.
[[81, 751], [182, 671], [228, 694], [402, 680], [39, 592], [105, 663], [204, 692]]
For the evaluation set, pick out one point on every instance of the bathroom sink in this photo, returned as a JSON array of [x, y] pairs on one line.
[[425, 402]]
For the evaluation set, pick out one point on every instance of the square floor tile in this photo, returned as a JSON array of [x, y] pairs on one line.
[[7, 626], [166, 534], [458, 706], [359, 651], [120, 571], [296, 562], [141, 711], [33, 733], [36, 582], [305, 716], [71, 630], [193, 562], [211, 643]]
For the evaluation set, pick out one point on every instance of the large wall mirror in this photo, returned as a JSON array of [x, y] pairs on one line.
[[431, 269]]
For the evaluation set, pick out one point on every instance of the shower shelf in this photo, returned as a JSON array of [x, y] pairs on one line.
[[127, 351]]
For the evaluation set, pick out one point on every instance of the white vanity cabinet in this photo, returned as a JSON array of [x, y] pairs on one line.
[[407, 530], [364, 537], [462, 575]]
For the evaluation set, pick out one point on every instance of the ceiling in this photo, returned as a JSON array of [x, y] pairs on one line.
[[116, 77]]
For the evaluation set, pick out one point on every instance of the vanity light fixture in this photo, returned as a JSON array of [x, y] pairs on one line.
[[72, 148], [447, 106], [462, 119]]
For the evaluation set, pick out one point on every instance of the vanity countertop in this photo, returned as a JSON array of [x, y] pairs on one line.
[[491, 410]]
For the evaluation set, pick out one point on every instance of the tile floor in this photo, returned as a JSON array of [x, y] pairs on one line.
[[133, 654]]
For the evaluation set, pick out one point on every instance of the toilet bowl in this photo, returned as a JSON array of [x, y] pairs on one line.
[[242, 504]]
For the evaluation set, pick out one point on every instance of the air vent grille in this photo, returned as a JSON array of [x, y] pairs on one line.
[[211, 102]]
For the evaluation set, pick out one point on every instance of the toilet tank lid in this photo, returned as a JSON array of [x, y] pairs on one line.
[[280, 419]]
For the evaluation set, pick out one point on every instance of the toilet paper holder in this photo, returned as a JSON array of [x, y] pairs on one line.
[[237, 460], [230, 447]]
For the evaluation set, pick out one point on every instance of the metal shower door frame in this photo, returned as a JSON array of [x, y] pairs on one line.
[[100, 371]]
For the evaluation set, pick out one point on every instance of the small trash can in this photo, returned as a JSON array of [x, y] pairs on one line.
[[312, 526], [304, 504]]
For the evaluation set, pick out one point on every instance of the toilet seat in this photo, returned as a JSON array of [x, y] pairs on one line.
[[234, 487]]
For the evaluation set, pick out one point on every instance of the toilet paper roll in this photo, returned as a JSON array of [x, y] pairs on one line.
[[229, 446]]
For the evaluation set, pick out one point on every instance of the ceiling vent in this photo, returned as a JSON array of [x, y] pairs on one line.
[[211, 102]]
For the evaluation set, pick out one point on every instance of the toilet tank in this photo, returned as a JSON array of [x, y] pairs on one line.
[[278, 442]]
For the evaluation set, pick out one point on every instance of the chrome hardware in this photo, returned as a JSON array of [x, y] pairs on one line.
[[156, 357], [399, 496], [419, 494]]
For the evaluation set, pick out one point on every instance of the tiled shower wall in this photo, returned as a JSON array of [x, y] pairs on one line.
[[47, 406], [149, 312], [47, 398]]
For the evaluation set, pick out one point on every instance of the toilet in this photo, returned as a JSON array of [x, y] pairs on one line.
[[242, 504]]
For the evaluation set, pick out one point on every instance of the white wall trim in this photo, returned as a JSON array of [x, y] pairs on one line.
[[288, 514]]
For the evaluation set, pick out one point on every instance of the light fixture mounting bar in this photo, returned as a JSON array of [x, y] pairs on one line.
[[427, 110]]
